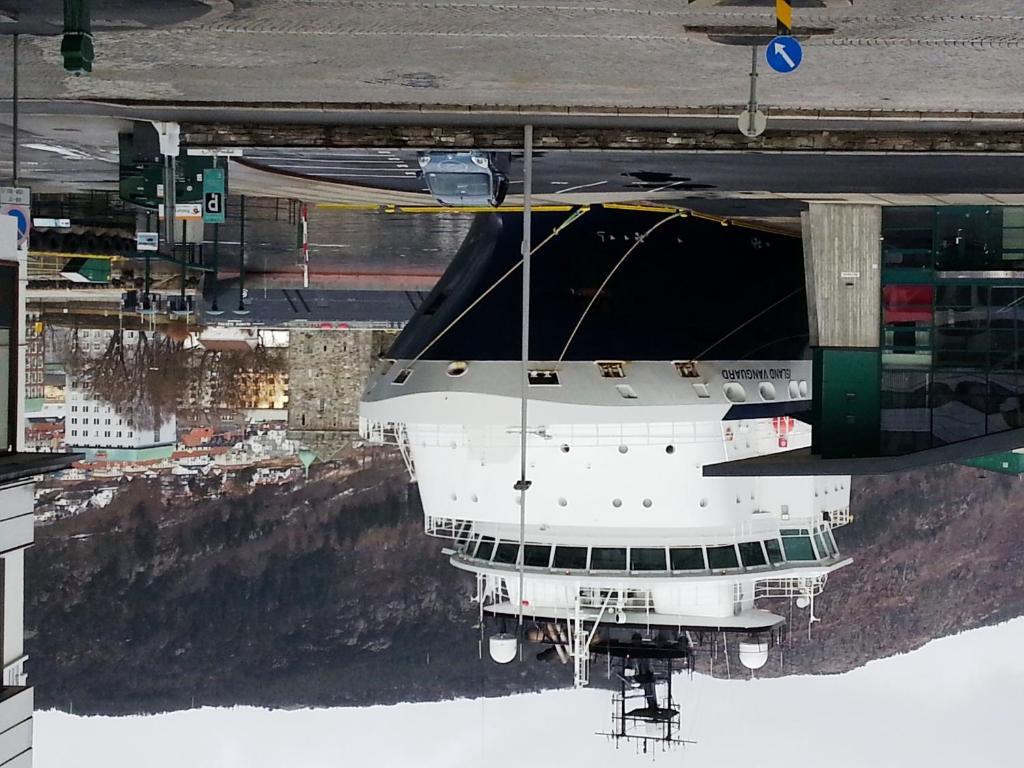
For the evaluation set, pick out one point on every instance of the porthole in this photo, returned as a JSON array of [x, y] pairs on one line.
[[803, 388], [703, 502], [735, 393], [767, 390], [794, 390], [457, 368], [562, 502], [616, 503], [623, 449], [474, 498], [647, 503], [670, 449], [455, 497], [565, 448]]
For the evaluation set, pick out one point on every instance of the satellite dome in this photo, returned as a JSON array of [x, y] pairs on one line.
[[754, 652], [502, 647]]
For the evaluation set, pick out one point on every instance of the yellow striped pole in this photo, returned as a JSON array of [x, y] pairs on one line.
[[784, 17]]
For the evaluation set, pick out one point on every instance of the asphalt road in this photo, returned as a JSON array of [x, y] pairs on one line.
[[562, 171]]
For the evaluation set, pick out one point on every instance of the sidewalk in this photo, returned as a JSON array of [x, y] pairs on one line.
[[910, 55]]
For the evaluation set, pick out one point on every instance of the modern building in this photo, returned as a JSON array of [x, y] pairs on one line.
[[576, 499], [18, 471], [917, 319]]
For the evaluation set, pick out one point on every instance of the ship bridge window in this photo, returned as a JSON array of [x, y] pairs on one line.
[[485, 548], [751, 554], [647, 559], [506, 553], [607, 559], [774, 550], [722, 557], [823, 549], [570, 557], [830, 542], [537, 556], [797, 544], [687, 559]]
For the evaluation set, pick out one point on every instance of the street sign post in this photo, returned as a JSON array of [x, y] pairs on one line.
[[752, 123], [147, 241], [184, 211], [16, 202], [214, 151], [784, 54], [213, 196]]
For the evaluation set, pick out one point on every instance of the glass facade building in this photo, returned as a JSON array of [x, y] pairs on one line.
[[952, 318]]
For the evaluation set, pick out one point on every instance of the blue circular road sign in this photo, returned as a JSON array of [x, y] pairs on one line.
[[784, 54], [22, 220]]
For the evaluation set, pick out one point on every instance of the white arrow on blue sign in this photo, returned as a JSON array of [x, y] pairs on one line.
[[784, 54]]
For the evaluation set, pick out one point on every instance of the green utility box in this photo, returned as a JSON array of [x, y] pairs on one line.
[[847, 402]]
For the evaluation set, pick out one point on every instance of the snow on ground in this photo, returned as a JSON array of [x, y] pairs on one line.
[[954, 702]]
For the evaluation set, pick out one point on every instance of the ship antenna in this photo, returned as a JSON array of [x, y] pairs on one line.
[[608, 277], [524, 372]]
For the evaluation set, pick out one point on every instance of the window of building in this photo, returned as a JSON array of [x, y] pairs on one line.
[[537, 556], [647, 559], [74, 433], [506, 553], [751, 554], [722, 557], [687, 558], [570, 557], [774, 550], [608, 559], [797, 545], [74, 420]]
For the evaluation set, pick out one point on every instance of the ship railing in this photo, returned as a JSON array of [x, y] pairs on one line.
[[461, 531], [577, 435], [810, 586], [837, 518], [389, 433]]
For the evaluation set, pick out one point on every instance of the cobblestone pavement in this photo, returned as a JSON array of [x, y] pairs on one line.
[[884, 54]]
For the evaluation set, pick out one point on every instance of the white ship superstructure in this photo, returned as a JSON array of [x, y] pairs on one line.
[[621, 527], [596, 533]]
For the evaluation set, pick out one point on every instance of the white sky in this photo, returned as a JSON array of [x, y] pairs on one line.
[[955, 702]]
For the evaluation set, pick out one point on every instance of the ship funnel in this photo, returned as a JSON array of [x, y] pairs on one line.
[[502, 647]]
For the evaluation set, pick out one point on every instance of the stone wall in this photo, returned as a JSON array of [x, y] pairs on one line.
[[326, 374]]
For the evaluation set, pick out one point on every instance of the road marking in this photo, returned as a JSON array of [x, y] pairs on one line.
[[581, 186], [323, 160]]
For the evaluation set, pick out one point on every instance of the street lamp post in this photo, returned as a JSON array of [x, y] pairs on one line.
[[241, 261]]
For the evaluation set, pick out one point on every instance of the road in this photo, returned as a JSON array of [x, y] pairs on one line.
[[660, 174]]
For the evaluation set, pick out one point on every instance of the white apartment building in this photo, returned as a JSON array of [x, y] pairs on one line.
[[95, 424]]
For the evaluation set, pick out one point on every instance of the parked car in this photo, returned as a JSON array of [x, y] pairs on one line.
[[468, 178]]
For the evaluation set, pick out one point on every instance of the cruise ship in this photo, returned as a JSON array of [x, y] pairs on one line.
[[642, 371]]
